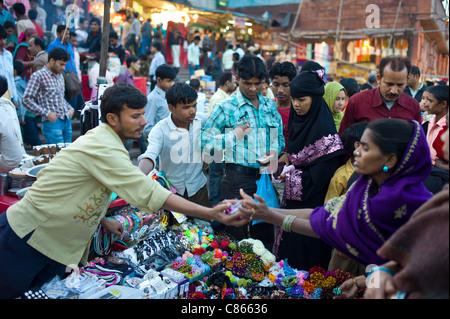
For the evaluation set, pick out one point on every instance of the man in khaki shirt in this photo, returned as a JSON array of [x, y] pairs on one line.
[[51, 227], [37, 49]]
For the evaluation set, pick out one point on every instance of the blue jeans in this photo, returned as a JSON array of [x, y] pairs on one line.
[[59, 131], [145, 45], [192, 70]]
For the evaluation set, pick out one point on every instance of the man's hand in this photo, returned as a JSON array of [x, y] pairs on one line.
[[113, 226], [52, 117], [242, 130], [218, 213]]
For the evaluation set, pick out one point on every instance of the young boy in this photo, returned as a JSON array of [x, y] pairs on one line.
[[156, 108], [338, 183], [174, 141], [436, 103]]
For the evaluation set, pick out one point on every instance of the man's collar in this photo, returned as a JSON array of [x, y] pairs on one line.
[[378, 99], [241, 99]]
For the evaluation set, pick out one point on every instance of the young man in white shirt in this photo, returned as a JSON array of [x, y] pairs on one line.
[[174, 140], [158, 59], [194, 56]]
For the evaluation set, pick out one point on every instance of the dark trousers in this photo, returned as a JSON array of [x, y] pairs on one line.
[[30, 131], [21, 266], [215, 179], [232, 182]]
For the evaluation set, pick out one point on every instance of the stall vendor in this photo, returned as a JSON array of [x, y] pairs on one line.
[[51, 227]]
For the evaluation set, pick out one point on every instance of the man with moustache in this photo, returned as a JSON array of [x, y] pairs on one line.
[[386, 101], [52, 226]]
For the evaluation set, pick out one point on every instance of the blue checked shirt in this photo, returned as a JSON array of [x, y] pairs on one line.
[[45, 94], [266, 134]]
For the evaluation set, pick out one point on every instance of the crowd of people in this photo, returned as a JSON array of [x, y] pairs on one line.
[[361, 172]]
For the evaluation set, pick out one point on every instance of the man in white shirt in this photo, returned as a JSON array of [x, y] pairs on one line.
[[240, 51], [11, 143], [227, 58], [7, 67], [174, 140], [194, 56], [42, 14], [157, 108], [158, 59]]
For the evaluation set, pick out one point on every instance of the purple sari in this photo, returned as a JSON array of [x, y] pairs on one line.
[[357, 225]]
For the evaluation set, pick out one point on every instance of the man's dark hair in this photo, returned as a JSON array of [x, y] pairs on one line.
[[19, 8], [32, 14], [165, 71], [96, 20], [131, 59], [113, 35], [58, 54], [39, 42], [180, 93], [3, 85], [157, 46], [350, 85], [415, 70], [9, 24], [60, 28], [224, 77], [197, 38], [283, 69], [116, 97], [18, 66], [440, 93], [396, 63], [3, 34], [351, 135], [251, 67], [195, 84]]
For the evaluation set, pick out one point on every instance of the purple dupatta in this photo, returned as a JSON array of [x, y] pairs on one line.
[[357, 225]]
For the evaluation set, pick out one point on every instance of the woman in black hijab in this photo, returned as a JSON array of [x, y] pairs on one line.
[[316, 151]]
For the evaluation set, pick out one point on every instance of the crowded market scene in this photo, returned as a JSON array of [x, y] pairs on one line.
[[224, 150]]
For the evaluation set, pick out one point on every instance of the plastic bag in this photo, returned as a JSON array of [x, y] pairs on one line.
[[265, 190]]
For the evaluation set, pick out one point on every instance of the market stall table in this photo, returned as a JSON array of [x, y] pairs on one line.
[[6, 201]]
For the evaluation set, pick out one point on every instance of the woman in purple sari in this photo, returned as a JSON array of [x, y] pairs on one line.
[[393, 162]]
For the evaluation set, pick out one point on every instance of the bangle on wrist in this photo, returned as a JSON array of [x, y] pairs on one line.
[[287, 223], [375, 269], [356, 284]]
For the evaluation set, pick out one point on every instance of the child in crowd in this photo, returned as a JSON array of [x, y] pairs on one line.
[[338, 187], [201, 97], [11, 40], [350, 138], [436, 103], [174, 141], [156, 108], [27, 119]]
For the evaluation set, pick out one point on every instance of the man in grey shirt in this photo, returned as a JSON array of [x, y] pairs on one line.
[[156, 108]]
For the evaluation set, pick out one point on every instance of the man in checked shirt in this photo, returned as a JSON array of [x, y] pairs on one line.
[[44, 96]]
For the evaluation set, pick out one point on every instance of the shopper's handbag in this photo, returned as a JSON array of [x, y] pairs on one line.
[[71, 82]]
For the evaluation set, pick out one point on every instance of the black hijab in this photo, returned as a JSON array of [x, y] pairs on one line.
[[305, 130]]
